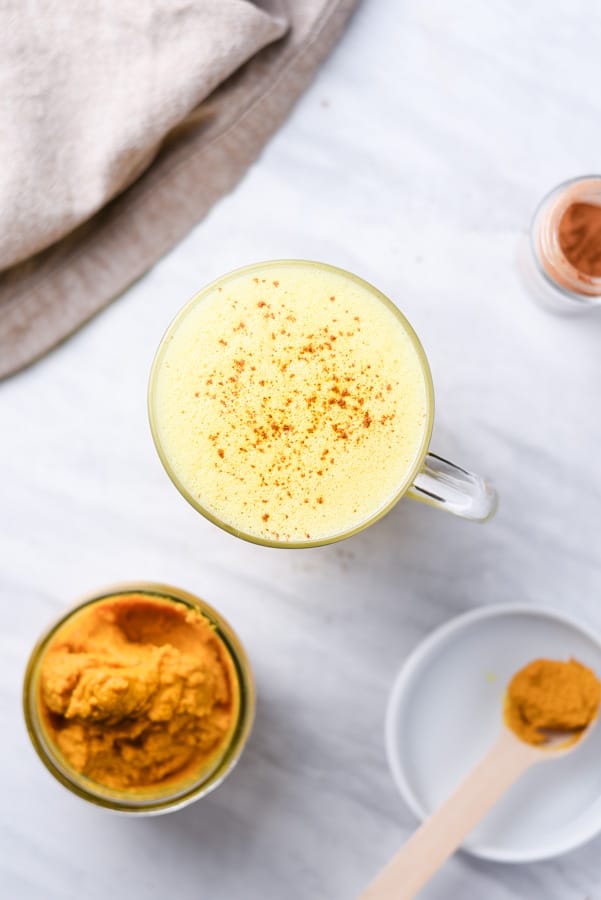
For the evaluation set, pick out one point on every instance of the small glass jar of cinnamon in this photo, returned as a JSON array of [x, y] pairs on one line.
[[563, 264]]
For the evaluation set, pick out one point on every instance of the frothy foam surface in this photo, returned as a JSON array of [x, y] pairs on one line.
[[290, 402]]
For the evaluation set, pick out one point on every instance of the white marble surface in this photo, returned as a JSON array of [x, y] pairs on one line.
[[415, 159]]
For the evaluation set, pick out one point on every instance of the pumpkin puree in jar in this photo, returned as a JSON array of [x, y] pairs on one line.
[[139, 692]]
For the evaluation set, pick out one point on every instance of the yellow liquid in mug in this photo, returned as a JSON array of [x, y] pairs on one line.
[[291, 402]]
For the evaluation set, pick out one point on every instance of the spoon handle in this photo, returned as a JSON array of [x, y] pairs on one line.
[[440, 835]]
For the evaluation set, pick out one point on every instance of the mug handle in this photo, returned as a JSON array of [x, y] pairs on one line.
[[442, 484]]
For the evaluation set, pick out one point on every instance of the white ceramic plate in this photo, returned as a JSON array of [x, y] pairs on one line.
[[445, 711]]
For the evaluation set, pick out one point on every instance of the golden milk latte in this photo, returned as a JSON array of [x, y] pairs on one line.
[[291, 403]]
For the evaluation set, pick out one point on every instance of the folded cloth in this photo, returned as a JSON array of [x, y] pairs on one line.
[[120, 124]]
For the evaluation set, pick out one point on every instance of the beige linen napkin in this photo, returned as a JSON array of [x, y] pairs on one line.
[[120, 124]]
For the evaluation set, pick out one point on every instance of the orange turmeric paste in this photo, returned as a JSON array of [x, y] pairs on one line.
[[551, 696], [138, 692]]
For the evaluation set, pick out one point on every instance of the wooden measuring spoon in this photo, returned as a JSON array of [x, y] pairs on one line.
[[440, 835]]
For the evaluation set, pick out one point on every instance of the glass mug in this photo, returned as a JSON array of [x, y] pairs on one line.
[[291, 403]]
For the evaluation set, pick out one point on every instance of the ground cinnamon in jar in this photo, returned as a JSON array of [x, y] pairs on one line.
[[580, 237], [551, 695]]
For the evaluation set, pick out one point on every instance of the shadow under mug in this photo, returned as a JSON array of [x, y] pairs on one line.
[[431, 480]]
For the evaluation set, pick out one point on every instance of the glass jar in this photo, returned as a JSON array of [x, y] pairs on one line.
[[149, 800], [549, 275]]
